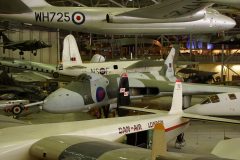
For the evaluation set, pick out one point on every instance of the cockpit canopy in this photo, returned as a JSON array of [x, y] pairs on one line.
[[211, 99], [216, 99], [86, 77]]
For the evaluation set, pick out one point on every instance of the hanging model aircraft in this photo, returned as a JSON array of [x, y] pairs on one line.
[[224, 104], [94, 139], [72, 64], [167, 17], [26, 45]]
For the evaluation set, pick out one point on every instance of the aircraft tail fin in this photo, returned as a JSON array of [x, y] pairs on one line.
[[159, 144], [123, 98], [5, 39], [176, 107], [169, 73], [71, 55]]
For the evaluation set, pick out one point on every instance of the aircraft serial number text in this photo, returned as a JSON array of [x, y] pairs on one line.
[[50, 16]]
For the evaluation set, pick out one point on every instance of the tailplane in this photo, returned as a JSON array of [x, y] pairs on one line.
[[71, 55]]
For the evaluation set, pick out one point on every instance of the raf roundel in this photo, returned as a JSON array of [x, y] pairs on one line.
[[100, 94], [78, 18]]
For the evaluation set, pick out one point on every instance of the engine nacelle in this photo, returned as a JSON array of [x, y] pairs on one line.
[[78, 147], [127, 19]]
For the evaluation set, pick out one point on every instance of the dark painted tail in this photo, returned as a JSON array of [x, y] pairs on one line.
[[123, 91], [6, 40]]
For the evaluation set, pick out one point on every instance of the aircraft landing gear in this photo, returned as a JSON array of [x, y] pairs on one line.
[[21, 53], [34, 53], [106, 111], [180, 141]]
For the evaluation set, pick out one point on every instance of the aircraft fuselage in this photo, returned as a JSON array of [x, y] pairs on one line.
[[93, 20]]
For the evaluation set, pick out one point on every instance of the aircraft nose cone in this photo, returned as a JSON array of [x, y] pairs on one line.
[[63, 101], [230, 23]]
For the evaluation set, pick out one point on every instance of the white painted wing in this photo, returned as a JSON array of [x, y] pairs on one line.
[[209, 118], [227, 149], [169, 9]]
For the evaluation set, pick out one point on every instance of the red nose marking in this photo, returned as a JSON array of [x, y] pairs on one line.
[[78, 18]]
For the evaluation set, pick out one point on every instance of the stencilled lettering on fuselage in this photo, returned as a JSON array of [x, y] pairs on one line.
[[129, 129], [153, 123], [60, 17], [102, 71]]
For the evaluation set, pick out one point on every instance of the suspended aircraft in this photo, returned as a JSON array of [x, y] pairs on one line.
[[72, 64], [26, 45], [167, 17], [224, 104], [94, 139]]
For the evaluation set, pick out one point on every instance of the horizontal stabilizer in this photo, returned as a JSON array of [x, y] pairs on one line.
[[153, 111], [209, 118], [145, 63]]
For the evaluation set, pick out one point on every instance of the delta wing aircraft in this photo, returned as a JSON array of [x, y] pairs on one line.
[[167, 17], [27, 45], [224, 104], [94, 139], [72, 64]]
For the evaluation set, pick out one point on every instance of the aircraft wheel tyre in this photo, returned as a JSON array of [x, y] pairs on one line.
[[106, 111], [180, 141], [16, 110], [21, 53], [55, 74]]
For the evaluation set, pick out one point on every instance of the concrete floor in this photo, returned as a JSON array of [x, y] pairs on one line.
[[200, 137]]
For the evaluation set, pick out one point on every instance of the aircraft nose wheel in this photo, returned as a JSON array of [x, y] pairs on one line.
[[21, 53], [180, 141]]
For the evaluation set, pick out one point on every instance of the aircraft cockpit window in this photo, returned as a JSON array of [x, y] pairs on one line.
[[206, 101], [84, 77], [232, 96], [214, 99]]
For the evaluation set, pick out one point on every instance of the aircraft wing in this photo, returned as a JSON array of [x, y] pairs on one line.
[[15, 44], [10, 122], [76, 67], [19, 7], [145, 63], [185, 115], [168, 9]]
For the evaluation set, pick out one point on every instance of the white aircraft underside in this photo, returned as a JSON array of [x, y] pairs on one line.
[[126, 21]]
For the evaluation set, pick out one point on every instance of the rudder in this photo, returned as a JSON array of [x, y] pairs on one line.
[[71, 55]]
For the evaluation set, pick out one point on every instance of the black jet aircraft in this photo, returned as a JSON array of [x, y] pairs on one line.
[[27, 45]]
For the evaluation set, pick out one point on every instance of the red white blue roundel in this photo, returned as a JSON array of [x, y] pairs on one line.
[[78, 18], [100, 94]]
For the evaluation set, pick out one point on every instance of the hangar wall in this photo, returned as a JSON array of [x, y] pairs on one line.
[[46, 55]]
